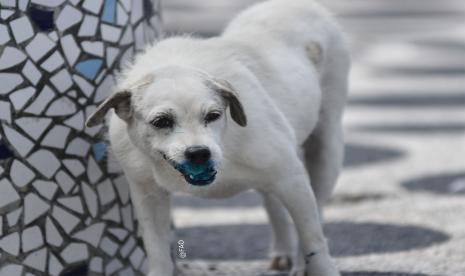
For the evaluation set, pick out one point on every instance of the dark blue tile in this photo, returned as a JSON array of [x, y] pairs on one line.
[[42, 17], [5, 152]]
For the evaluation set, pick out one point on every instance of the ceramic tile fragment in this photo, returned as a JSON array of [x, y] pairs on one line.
[[8, 3], [109, 11], [108, 246], [126, 4], [9, 82], [127, 247], [75, 252], [137, 11], [128, 271], [53, 62], [39, 46], [56, 137], [53, 36], [122, 187], [136, 257], [99, 150], [73, 203], [70, 48], [93, 47], [5, 14], [68, 17], [93, 171], [33, 126], [78, 146], [90, 197], [31, 72], [20, 97], [49, 3], [76, 121], [65, 181], [22, 144], [37, 259], [66, 220], [10, 243], [88, 26], [31, 238], [45, 162], [62, 80], [106, 192], [139, 37], [119, 233], [61, 107], [44, 98], [11, 269], [91, 235], [8, 194], [110, 33], [84, 85], [21, 175], [127, 37], [105, 88], [46, 189], [54, 265], [11, 57], [42, 17], [4, 34], [96, 265], [113, 214], [121, 15], [5, 111], [112, 54], [74, 166], [93, 6], [89, 68], [113, 266], [22, 29], [13, 216], [52, 235], [126, 213]]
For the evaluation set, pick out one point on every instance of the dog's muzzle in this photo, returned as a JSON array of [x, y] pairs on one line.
[[195, 174]]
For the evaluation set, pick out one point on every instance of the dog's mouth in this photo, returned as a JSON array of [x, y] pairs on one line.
[[195, 174]]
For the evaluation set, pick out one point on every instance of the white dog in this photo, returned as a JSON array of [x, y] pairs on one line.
[[281, 69]]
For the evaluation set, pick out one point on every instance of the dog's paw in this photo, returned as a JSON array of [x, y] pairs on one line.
[[320, 265], [281, 263]]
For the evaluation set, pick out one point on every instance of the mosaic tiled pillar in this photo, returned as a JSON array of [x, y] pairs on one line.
[[64, 206]]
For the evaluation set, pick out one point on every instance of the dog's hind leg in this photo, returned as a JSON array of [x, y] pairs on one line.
[[324, 149], [283, 231]]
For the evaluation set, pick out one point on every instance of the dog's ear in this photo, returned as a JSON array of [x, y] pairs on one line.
[[120, 101], [228, 93]]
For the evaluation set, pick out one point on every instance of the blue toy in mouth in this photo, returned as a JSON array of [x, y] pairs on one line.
[[197, 174]]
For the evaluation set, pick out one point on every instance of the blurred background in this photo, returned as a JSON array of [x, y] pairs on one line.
[[399, 207]]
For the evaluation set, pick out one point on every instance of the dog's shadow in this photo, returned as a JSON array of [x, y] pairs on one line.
[[251, 241]]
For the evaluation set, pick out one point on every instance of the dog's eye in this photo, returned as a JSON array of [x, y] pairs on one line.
[[163, 122], [212, 116]]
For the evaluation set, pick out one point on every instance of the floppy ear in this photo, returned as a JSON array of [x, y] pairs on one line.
[[120, 101], [229, 94]]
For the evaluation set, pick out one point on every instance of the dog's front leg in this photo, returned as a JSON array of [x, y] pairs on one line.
[[296, 194], [152, 205]]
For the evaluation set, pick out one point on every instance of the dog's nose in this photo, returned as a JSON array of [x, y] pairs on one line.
[[197, 154]]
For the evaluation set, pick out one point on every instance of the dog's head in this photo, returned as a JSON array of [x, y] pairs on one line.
[[179, 114]]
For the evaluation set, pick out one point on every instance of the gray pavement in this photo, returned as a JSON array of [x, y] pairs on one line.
[[399, 208]]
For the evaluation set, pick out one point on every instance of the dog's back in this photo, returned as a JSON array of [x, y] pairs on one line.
[[302, 44]]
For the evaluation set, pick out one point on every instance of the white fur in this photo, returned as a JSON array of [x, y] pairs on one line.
[[288, 63]]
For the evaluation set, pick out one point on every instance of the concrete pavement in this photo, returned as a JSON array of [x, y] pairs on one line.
[[399, 208]]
